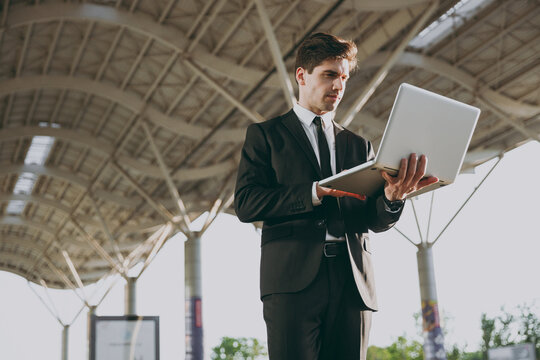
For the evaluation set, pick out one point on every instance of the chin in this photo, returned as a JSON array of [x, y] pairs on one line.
[[331, 107]]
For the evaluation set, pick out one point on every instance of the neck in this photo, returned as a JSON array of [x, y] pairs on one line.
[[313, 109]]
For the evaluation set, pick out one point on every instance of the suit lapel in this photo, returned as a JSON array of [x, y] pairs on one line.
[[292, 123], [341, 145]]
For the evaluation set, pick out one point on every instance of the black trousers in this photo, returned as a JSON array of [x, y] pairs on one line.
[[325, 321]]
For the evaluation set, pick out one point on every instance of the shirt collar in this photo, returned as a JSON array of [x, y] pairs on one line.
[[306, 116]]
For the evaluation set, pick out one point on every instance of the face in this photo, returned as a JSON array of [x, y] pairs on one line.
[[322, 90]]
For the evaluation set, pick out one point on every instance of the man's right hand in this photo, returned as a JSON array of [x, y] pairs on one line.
[[324, 191]]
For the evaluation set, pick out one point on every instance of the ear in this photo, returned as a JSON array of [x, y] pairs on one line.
[[300, 76]]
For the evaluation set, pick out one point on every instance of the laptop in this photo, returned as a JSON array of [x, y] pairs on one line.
[[420, 122]]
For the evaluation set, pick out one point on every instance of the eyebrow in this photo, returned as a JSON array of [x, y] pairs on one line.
[[332, 72]]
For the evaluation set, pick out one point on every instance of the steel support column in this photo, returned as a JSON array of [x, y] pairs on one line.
[[65, 333], [130, 303], [91, 312], [431, 329], [193, 287]]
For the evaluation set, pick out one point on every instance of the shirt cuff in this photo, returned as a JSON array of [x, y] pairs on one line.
[[314, 198]]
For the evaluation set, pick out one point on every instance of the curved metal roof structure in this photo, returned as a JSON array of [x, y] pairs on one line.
[[125, 118]]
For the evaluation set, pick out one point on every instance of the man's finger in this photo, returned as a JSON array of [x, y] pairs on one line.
[[420, 170], [426, 182], [402, 170], [411, 169], [389, 178]]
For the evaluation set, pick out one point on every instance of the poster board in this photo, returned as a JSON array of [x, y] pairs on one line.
[[128, 337], [513, 352]]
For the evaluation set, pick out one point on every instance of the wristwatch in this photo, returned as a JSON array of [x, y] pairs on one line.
[[393, 206]]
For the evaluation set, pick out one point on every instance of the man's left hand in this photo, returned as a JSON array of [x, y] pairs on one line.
[[409, 179]]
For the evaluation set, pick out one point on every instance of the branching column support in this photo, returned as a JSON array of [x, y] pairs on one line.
[[380, 75], [112, 240], [168, 179], [284, 78], [433, 335], [193, 287], [97, 247], [162, 210]]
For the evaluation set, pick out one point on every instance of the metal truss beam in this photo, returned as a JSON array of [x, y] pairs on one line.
[[53, 204], [75, 275], [94, 143], [23, 264], [97, 247], [159, 236], [139, 23], [63, 277], [166, 10], [70, 177], [25, 243], [50, 307], [510, 120], [220, 203], [464, 79], [156, 246], [57, 205], [20, 221], [252, 115], [5, 10], [233, 27], [105, 228], [273, 44], [282, 17], [467, 200], [379, 5], [388, 29], [380, 75], [131, 102], [160, 209], [167, 175], [11, 220], [208, 21]]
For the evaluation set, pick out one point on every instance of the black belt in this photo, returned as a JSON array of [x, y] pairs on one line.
[[334, 248]]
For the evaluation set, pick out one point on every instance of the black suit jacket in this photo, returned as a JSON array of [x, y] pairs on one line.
[[277, 169]]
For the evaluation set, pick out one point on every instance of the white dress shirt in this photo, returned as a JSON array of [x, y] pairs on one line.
[[306, 119]]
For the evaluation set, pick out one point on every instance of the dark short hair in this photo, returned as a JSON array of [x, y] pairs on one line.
[[317, 48]]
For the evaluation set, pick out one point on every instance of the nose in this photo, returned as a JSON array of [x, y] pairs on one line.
[[339, 84]]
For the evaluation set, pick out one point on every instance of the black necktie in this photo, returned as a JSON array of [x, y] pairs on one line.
[[324, 152], [336, 226]]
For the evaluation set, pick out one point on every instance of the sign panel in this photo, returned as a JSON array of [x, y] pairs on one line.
[[513, 352], [127, 337]]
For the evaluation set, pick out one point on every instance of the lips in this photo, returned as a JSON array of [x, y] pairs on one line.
[[333, 96]]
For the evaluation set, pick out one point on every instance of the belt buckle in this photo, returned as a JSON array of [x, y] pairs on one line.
[[325, 253]]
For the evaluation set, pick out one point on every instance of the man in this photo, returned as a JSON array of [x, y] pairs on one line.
[[316, 274]]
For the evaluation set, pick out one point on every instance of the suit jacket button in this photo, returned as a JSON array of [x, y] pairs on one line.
[[321, 223]]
